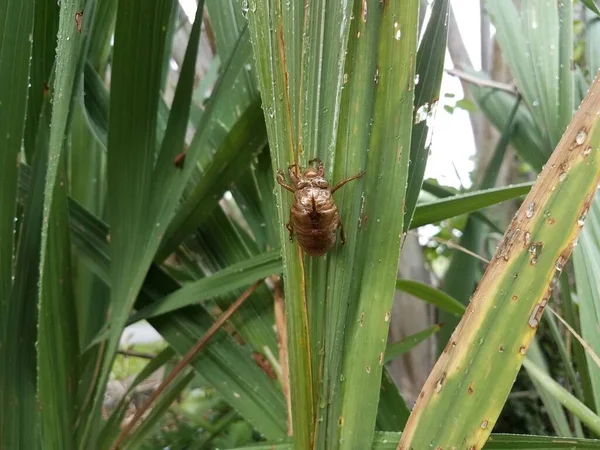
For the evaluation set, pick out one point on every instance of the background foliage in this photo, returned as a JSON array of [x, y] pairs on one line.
[[137, 183]]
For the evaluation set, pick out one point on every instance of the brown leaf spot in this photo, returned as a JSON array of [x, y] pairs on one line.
[[264, 365], [507, 243], [536, 314], [78, 20], [179, 159]]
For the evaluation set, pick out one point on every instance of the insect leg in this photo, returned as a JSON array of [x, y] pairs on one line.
[[293, 173], [342, 234], [290, 229], [343, 182], [281, 180]]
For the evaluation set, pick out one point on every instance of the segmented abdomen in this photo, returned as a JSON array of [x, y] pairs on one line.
[[315, 231]]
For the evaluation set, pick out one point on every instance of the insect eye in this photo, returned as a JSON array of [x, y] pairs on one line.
[[322, 184], [301, 185]]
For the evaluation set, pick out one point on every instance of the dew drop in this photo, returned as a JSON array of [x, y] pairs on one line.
[[535, 249], [421, 113], [245, 8], [530, 210], [581, 219], [440, 383], [580, 138]]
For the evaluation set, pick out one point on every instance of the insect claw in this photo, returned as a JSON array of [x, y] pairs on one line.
[[281, 180], [293, 173], [343, 182]]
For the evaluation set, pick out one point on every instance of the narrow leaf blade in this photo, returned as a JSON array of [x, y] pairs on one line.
[[512, 294]]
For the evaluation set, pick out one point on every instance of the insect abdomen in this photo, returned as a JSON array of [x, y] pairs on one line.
[[315, 230], [316, 242]]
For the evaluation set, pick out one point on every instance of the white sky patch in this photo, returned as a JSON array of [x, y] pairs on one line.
[[453, 144], [189, 7], [139, 333]]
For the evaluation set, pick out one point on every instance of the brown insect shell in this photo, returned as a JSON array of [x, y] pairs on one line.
[[314, 216]]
